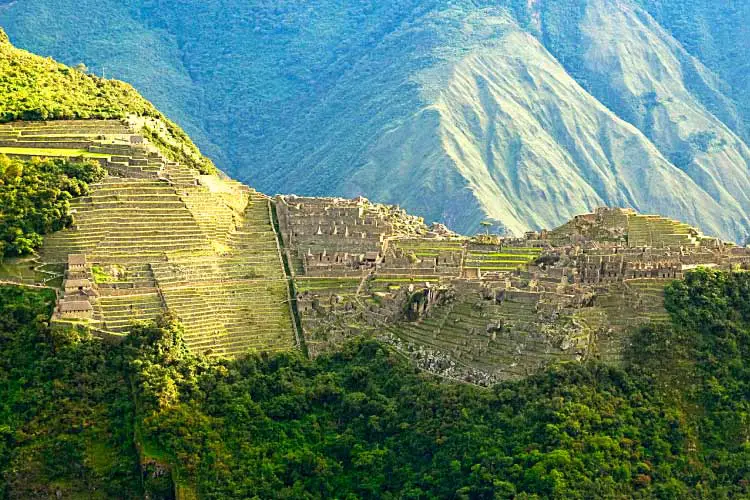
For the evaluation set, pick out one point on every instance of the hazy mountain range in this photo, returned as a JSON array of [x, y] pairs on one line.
[[522, 111]]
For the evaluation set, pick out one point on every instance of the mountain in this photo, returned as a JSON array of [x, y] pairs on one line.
[[36, 88], [168, 332], [522, 112]]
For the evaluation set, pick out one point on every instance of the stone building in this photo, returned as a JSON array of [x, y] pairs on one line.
[[77, 263], [76, 309], [78, 286]]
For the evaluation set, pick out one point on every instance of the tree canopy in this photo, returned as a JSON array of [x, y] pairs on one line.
[[35, 198], [364, 423]]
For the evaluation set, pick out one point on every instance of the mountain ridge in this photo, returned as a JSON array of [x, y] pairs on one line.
[[323, 114]]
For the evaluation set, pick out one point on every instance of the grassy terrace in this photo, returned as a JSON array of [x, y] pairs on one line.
[[619, 310], [657, 231], [429, 248], [651, 292], [127, 220], [116, 313], [416, 279], [237, 301], [501, 259], [326, 284], [74, 153]]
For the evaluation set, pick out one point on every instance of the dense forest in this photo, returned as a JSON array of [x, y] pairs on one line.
[[35, 198], [77, 416]]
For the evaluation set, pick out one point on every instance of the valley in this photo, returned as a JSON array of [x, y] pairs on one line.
[[167, 332]]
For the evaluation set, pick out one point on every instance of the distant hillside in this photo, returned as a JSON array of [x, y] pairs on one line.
[[524, 112]]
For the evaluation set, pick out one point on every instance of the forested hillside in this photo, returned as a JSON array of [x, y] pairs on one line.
[[35, 199], [522, 112], [363, 423]]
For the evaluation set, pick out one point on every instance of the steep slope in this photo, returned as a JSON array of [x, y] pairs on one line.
[[718, 35], [442, 106], [643, 74], [529, 145], [36, 88]]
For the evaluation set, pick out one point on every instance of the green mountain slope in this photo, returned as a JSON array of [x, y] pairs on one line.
[[34, 88], [85, 419], [522, 112]]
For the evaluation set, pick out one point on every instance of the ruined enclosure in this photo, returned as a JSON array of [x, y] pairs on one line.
[[243, 271], [485, 309]]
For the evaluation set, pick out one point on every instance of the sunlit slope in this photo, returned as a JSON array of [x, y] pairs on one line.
[[499, 129], [511, 136], [537, 148], [672, 97], [525, 112]]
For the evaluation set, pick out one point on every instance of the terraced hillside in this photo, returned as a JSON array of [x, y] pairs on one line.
[[657, 231], [158, 237], [526, 112], [513, 346]]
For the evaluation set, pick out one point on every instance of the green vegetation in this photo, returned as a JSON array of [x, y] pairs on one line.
[[312, 284], [284, 97], [506, 259], [65, 418], [34, 88], [35, 198], [363, 423], [101, 275], [75, 153]]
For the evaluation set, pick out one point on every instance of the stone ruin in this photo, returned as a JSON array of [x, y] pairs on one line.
[[158, 237], [79, 291], [507, 306]]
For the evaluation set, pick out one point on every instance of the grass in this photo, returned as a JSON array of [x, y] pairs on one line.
[[520, 259], [502, 254], [73, 153], [311, 284], [23, 270], [101, 276]]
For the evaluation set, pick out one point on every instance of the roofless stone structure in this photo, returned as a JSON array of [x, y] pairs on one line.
[[242, 270]]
